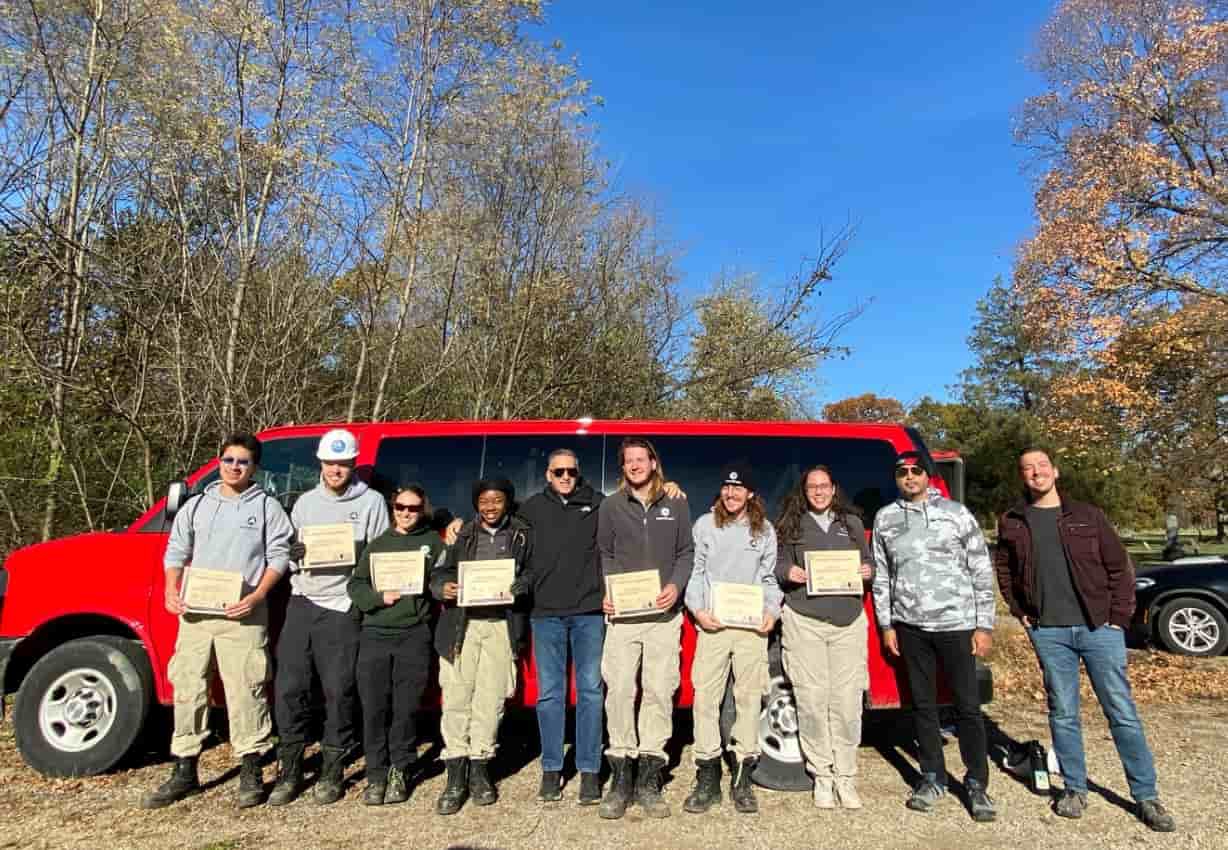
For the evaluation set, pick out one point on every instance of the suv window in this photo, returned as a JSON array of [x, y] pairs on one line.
[[863, 468], [523, 459], [445, 466]]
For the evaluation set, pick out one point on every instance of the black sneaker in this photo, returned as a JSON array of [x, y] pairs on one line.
[[590, 789], [1071, 804], [979, 802], [1155, 816], [551, 790], [398, 785], [926, 794]]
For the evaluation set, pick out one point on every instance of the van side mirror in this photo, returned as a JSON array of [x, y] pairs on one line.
[[176, 494], [951, 469]]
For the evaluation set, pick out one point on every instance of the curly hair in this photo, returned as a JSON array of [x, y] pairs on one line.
[[796, 505], [756, 513]]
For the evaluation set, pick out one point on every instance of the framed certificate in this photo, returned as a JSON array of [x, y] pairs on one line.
[[739, 606], [206, 591], [634, 594], [833, 572], [330, 545], [485, 582], [401, 572]]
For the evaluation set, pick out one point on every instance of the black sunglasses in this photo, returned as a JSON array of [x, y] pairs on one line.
[[565, 471], [905, 471], [401, 506]]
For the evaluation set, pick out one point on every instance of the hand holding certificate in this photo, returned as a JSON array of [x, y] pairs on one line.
[[738, 606], [206, 591], [330, 545], [835, 572], [634, 594], [485, 582], [399, 572]]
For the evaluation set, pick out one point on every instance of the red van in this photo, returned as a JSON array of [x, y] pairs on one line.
[[85, 640]]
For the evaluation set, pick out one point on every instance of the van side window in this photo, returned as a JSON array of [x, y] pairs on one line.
[[445, 466], [864, 468], [522, 460]]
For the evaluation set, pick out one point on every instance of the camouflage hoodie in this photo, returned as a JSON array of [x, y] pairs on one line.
[[933, 568]]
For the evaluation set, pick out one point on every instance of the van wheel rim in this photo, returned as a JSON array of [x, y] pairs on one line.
[[77, 710], [1193, 629], [778, 725]]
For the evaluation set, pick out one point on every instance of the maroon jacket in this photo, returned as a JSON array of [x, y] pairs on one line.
[[1099, 565]]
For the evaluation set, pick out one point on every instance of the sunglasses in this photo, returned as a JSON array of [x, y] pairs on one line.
[[241, 462], [905, 471], [565, 472], [401, 506]]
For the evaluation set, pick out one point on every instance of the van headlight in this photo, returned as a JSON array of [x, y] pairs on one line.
[[1143, 583]]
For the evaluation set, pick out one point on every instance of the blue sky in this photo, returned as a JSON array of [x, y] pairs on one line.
[[750, 126]]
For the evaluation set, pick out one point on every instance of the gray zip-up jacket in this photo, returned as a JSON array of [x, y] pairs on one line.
[[360, 506], [731, 554], [243, 534], [632, 536], [933, 567]]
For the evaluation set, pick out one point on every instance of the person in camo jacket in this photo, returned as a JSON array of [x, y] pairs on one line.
[[934, 598]]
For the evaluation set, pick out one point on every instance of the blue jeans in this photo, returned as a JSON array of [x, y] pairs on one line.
[[1103, 652], [585, 633]]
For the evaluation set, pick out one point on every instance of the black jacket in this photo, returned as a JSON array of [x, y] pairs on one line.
[[565, 570], [1100, 568], [633, 537], [450, 630]]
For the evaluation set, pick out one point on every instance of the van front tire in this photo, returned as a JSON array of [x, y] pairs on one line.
[[82, 706]]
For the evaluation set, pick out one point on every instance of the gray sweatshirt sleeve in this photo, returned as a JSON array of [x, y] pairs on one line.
[[980, 568], [882, 580], [377, 517], [279, 534], [772, 594], [179, 544], [697, 587]]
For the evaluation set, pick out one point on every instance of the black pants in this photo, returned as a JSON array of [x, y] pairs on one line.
[[922, 651], [316, 640], [392, 677]]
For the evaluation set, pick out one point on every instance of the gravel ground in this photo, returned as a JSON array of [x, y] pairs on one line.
[[1186, 736]]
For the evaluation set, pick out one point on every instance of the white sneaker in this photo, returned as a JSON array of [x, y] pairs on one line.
[[824, 798], [846, 790]]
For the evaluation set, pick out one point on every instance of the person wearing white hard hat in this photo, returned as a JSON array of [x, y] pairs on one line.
[[321, 635]]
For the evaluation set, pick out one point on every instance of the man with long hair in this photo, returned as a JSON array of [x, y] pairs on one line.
[[734, 545], [642, 528]]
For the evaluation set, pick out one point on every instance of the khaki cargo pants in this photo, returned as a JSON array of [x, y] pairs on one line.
[[651, 649], [743, 652], [240, 649], [827, 666], [476, 687]]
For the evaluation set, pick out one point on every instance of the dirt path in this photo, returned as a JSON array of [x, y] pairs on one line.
[[1187, 738]]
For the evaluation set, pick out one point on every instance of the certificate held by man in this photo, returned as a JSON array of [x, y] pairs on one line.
[[328, 545], [835, 572], [635, 593], [398, 572], [206, 591], [738, 606], [485, 582]]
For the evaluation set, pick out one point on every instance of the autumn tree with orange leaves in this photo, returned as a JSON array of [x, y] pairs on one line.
[[1130, 254]]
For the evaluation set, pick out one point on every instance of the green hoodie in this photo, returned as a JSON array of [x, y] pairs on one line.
[[408, 610]]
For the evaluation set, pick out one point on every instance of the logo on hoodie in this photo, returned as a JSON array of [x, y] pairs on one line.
[[353, 516], [251, 521], [664, 514]]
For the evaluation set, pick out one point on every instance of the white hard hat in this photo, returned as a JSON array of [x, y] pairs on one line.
[[338, 444]]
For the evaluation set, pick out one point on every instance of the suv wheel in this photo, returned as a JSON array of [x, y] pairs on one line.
[[82, 706], [1190, 626]]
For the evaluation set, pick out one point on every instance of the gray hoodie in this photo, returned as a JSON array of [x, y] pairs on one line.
[[360, 506], [933, 567], [239, 534], [731, 554]]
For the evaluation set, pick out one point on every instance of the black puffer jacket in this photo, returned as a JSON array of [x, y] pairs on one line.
[[450, 630]]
